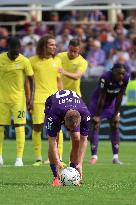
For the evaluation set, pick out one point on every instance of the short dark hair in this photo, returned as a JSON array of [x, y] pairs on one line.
[[74, 42], [13, 42], [118, 66]]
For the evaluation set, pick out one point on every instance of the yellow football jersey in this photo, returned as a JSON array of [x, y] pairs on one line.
[[12, 78], [45, 75], [72, 65]]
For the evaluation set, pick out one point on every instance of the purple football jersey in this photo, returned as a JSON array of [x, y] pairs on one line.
[[56, 107], [109, 85]]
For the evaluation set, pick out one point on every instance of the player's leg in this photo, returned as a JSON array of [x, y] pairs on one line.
[[60, 144], [20, 142], [1, 144], [38, 119], [60, 147], [115, 140], [75, 137], [94, 140], [19, 116], [37, 143], [53, 155], [5, 115]]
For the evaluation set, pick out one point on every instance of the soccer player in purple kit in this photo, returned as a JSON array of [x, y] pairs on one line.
[[66, 107], [105, 103]]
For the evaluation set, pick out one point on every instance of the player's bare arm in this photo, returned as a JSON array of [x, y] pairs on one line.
[[59, 83], [81, 153], [118, 103], [100, 103], [74, 76], [27, 91], [32, 88], [53, 152]]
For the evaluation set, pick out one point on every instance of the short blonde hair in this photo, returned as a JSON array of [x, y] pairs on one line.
[[72, 119]]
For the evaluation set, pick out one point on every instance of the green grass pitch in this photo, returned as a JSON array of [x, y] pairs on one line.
[[104, 183]]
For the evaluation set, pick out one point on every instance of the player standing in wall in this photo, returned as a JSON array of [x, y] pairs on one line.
[[47, 81], [73, 66], [14, 67]]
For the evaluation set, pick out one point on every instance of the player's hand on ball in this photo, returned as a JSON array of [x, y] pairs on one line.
[[60, 165]]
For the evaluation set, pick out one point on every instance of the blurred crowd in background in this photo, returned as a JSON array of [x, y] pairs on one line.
[[103, 44]]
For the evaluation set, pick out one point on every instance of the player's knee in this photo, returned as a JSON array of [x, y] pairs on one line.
[[95, 126], [1, 128], [37, 127], [114, 126]]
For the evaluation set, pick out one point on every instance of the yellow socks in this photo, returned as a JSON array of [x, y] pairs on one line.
[[1, 139], [20, 141], [37, 142]]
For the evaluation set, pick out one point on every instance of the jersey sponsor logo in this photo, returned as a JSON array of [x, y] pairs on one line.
[[113, 91]]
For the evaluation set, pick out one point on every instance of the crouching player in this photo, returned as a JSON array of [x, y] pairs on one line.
[[66, 107]]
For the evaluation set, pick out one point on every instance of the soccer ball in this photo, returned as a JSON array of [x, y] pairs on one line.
[[69, 176]]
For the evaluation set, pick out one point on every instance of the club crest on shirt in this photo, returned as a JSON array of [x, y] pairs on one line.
[[17, 65], [54, 65], [74, 66], [102, 82]]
